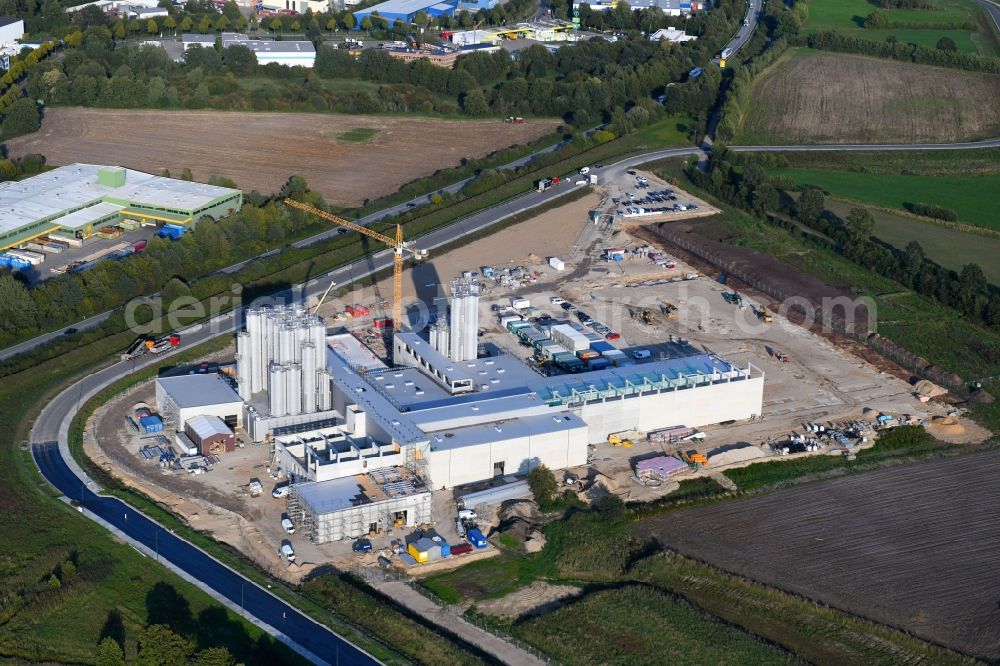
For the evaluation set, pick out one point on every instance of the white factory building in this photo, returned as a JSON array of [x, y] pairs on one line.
[[363, 444], [11, 30], [181, 398]]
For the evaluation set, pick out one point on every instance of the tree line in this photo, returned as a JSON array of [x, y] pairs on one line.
[[584, 83], [893, 49], [742, 180]]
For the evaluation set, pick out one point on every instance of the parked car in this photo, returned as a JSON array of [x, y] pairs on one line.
[[362, 546], [287, 551], [641, 354], [279, 492], [286, 523], [467, 514]]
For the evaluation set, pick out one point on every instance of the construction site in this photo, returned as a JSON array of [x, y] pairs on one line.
[[384, 426]]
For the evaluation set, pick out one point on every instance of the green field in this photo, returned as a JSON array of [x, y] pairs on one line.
[[358, 135], [637, 625], [947, 247], [976, 199], [848, 16]]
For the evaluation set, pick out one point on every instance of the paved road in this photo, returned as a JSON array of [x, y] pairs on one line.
[[868, 148], [745, 32], [993, 9], [51, 453]]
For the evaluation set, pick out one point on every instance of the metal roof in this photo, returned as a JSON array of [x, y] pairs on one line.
[[487, 433], [208, 426], [399, 7], [332, 495], [200, 390], [61, 191], [88, 215], [258, 46], [8, 20], [197, 39]]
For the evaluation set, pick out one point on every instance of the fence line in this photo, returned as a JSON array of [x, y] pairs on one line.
[[871, 339]]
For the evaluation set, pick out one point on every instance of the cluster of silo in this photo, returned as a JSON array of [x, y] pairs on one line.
[[439, 336], [464, 328], [283, 351]]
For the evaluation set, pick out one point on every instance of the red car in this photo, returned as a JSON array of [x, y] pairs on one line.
[[612, 336]]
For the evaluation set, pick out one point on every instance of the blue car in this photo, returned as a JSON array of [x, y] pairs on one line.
[[362, 546]]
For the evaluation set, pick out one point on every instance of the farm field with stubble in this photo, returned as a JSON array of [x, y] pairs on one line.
[[910, 546], [347, 158], [818, 97]]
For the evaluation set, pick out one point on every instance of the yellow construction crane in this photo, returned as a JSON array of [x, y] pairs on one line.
[[397, 245]]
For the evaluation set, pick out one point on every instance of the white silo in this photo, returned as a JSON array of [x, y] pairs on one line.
[[293, 388], [243, 363], [464, 320], [308, 378], [324, 395], [277, 391]]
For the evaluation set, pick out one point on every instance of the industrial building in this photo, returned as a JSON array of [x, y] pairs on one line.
[[79, 199], [671, 35], [189, 39], [405, 10], [11, 30], [210, 435], [363, 443], [357, 505], [299, 53], [669, 7], [184, 397]]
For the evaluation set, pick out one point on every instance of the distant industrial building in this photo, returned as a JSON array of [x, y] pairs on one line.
[[79, 199], [669, 7], [300, 53], [672, 35], [189, 39], [11, 30], [406, 10]]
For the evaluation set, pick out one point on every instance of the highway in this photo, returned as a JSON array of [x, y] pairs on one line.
[[993, 9]]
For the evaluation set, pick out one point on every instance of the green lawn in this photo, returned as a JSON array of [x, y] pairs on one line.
[[847, 17], [976, 199]]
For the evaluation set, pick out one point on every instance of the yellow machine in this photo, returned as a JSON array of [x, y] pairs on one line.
[[763, 314], [397, 244], [624, 439]]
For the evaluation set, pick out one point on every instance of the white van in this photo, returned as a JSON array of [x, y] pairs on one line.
[[641, 354], [287, 552], [287, 524], [584, 171], [467, 514], [279, 492]]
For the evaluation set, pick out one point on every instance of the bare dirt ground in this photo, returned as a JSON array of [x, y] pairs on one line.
[[839, 98], [539, 597], [912, 546], [261, 150]]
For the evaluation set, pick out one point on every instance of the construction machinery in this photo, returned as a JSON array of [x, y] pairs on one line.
[[624, 438], [733, 298], [668, 309], [398, 246], [763, 314], [695, 460]]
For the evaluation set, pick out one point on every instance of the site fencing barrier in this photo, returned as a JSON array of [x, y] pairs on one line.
[[837, 323]]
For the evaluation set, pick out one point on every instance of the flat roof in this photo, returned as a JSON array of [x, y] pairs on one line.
[[400, 7], [400, 428], [332, 495], [8, 20], [258, 46], [528, 426], [352, 351], [201, 39], [198, 390], [62, 191], [487, 373], [88, 215]]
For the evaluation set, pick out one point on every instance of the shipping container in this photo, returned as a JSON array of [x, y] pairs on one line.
[[601, 346], [461, 549], [519, 303], [587, 354], [33, 258], [171, 231], [506, 320], [557, 263], [599, 363], [16, 263], [69, 239], [139, 246], [151, 424], [476, 538], [515, 326], [417, 554], [383, 323]]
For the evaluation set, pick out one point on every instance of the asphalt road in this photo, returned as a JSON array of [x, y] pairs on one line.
[[993, 9], [745, 32]]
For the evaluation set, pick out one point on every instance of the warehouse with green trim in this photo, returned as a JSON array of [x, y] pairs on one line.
[[80, 199]]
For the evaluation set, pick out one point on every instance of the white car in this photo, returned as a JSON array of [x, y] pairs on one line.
[[467, 514], [641, 354], [642, 180], [288, 526], [288, 552], [584, 171], [556, 300], [279, 492]]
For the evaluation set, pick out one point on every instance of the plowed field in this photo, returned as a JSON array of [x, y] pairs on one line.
[[261, 150], [914, 547], [816, 97]]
